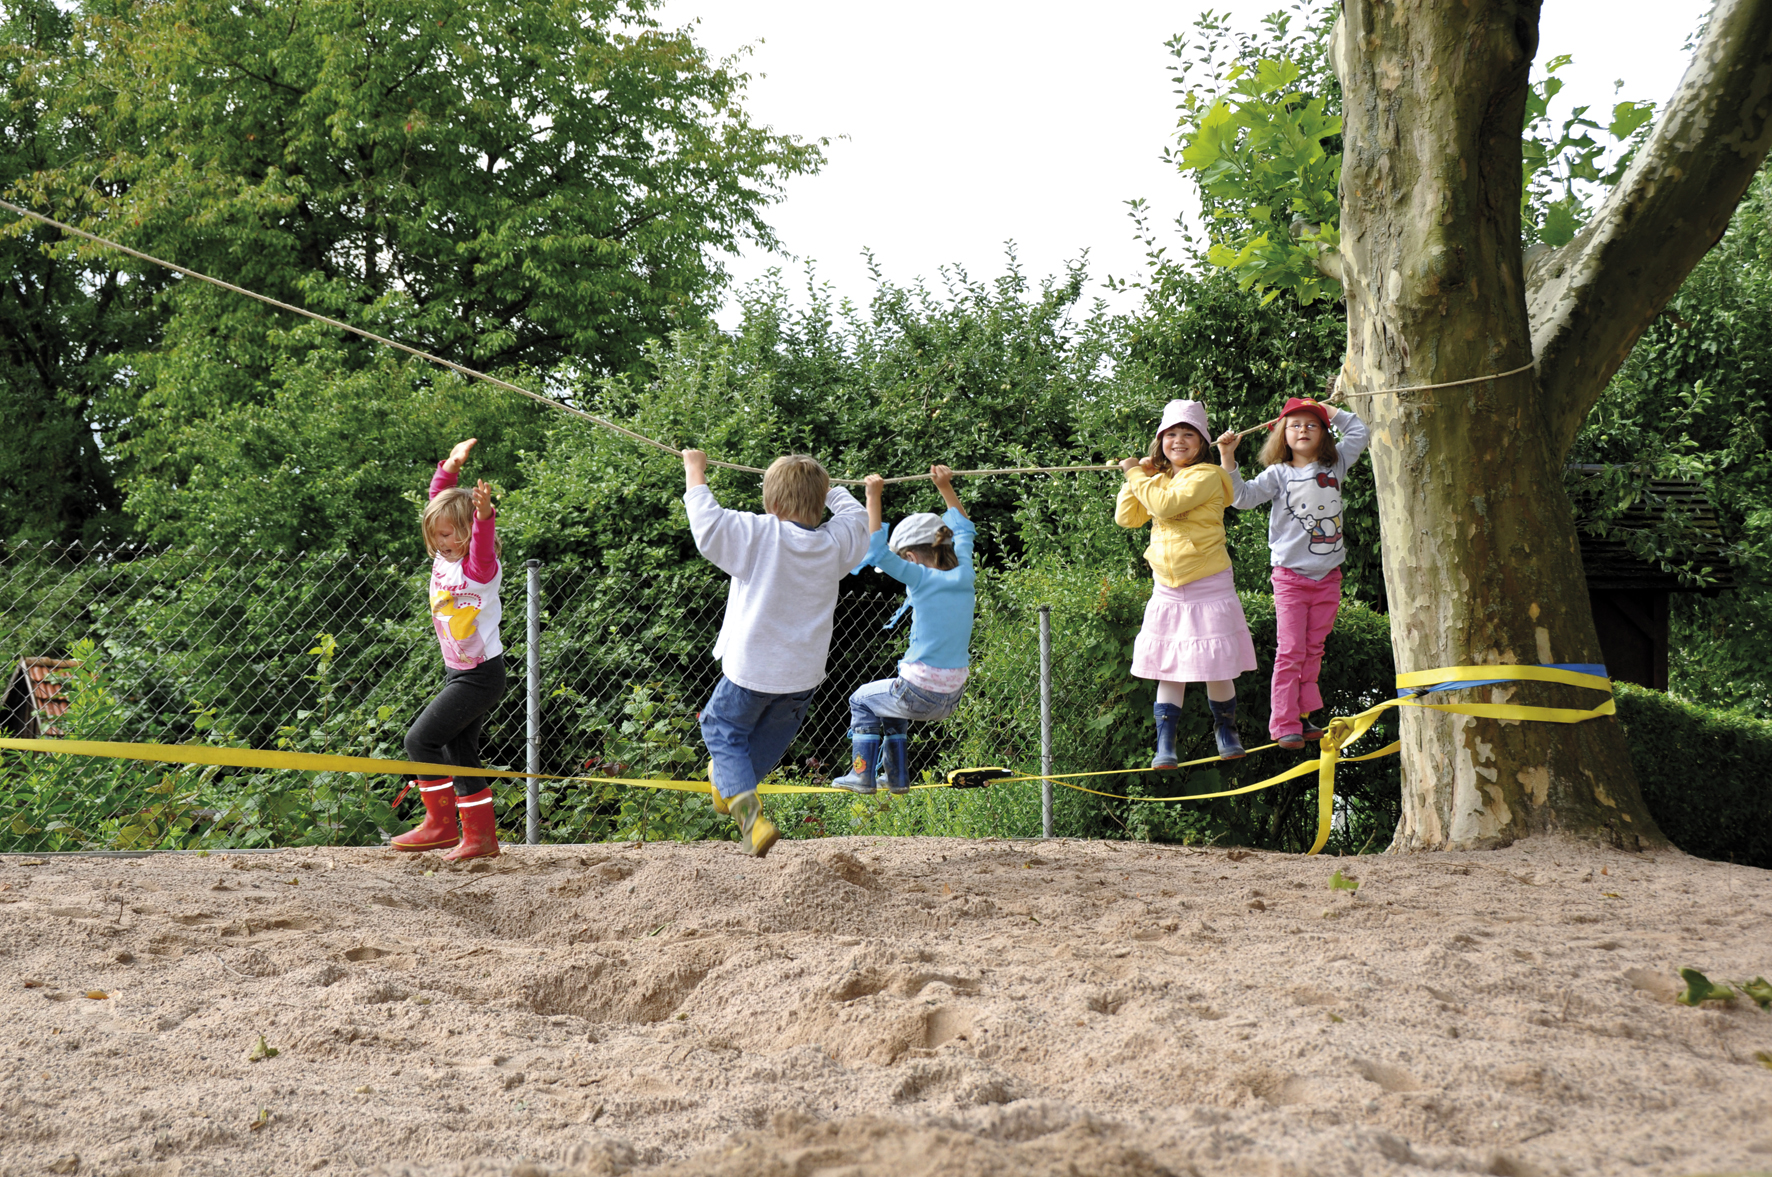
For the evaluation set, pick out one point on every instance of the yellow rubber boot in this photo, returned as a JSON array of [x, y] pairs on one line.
[[720, 805], [756, 833]]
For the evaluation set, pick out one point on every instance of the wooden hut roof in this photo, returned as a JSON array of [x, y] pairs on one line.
[[34, 698], [1612, 567]]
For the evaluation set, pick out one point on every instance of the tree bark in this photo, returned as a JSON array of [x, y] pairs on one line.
[[1479, 542]]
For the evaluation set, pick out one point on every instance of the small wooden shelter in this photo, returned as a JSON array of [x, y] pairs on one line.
[[1631, 597], [34, 698]]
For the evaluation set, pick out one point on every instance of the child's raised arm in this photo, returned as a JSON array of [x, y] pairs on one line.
[[695, 469], [458, 457], [449, 469], [944, 482], [1244, 495], [876, 487]]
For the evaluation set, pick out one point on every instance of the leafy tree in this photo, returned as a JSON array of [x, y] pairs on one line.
[[1264, 147], [62, 324], [1691, 402], [1262, 134], [339, 459], [1479, 554], [986, 374], [546, 184], [1560, 173]]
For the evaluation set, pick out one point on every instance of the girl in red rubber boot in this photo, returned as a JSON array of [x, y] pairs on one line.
[[465, 610]]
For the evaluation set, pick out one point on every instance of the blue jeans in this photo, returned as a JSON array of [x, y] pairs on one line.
[[746, 733], [890, 704]]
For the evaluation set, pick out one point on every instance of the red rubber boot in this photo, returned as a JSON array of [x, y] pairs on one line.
[[439, 830], [479, 828]]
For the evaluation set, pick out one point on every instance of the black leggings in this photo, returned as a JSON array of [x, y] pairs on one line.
[[448, 731]]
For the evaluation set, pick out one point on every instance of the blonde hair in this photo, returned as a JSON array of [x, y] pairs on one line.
[[1275, 450], [794, 487], [939, 555], [1161, 459], [454, 506]]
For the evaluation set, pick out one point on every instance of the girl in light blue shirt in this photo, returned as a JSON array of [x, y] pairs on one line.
[[932, 556]]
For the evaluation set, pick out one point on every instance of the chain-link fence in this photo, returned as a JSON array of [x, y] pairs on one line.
[[329, 653]]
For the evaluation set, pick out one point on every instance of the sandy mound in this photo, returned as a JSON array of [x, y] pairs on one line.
[[893, 1007]]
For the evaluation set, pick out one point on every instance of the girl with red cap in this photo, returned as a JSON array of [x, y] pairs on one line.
[[1306, 466], [1194, 629]]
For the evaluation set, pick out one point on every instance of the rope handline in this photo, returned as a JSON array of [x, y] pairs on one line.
[[1525, 367], [1341, 393], [539, 398], [475, 374]]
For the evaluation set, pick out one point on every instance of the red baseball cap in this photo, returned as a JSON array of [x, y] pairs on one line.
[[1304, 404]]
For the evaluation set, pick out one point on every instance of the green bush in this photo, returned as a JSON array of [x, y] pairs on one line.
[[1702, 771], [1102, 720], [50, 803]]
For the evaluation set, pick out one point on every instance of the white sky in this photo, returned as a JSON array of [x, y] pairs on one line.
[[971, 123]]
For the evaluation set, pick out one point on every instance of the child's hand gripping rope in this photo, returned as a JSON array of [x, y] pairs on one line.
[[695, 468]]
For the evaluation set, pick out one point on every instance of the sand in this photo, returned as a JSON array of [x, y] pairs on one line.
[[881, 1006]]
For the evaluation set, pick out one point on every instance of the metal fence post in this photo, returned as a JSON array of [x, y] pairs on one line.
[[1046, 720], [533, 800]]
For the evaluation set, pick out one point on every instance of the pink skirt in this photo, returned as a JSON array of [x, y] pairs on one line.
[[1195, 633]]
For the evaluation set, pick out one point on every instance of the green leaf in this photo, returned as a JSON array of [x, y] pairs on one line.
[[1628, 116], [1340, 882], [1760, 990], [1700, 988], [1560, 223]]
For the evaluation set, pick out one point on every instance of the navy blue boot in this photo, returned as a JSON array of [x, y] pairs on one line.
[[895, 763], [1224, 729], [860, 777], [1168, 719]]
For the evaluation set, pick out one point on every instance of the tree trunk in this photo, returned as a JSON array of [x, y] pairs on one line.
[[1479, 542]]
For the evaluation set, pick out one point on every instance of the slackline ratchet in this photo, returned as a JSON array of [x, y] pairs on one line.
[[1341, 731]]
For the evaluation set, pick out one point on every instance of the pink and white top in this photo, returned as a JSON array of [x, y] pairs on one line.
[[464, 594]]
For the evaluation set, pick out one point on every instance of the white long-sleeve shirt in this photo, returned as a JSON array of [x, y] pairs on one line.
[[777, 629], [1304, 527]]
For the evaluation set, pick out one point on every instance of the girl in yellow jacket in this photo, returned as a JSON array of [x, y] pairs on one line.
[[1194, 629]]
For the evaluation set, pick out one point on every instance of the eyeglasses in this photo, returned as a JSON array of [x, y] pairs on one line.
[[1304, 426]]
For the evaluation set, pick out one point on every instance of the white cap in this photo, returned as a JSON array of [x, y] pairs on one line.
[[915, 530]]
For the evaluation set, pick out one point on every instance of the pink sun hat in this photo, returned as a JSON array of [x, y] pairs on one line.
[[1185, 413]]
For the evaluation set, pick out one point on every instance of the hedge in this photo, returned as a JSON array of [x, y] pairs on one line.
[[1703, 774]]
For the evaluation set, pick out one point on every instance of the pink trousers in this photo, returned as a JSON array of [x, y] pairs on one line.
[[1305, 610]]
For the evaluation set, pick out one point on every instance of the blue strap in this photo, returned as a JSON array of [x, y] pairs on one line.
[[898, 616]]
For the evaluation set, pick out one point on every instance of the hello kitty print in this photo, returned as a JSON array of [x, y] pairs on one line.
[[1314, 503], [1304, 529]]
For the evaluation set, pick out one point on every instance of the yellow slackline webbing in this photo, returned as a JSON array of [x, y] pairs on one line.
[[1342, 730], [328, 762]]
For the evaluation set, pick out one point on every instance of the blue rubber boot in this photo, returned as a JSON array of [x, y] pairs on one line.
[[1224, 729], [1168, 719], [860, 777], [896, 764]]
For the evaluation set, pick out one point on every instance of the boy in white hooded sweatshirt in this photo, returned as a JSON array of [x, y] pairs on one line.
[[785, 567]]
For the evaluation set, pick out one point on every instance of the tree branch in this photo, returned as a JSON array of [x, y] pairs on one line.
[[1589, 301]]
